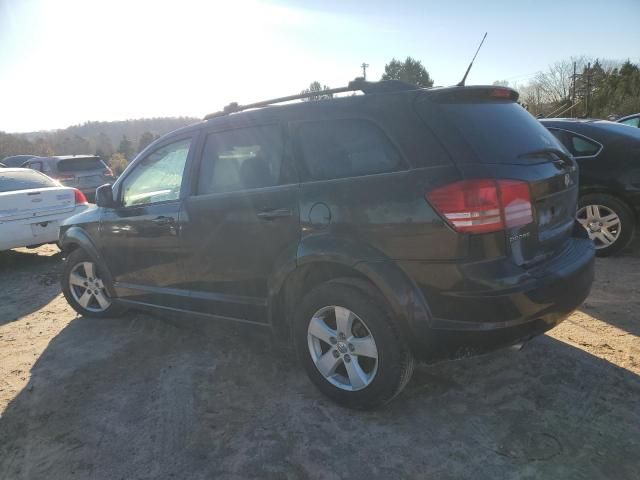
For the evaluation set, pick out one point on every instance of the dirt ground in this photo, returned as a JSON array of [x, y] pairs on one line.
[[143, 397]]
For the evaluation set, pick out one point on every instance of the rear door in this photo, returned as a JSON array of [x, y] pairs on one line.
[[241, 224], [489, 135]]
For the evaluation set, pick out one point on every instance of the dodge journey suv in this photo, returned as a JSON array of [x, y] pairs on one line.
[[368, 230]]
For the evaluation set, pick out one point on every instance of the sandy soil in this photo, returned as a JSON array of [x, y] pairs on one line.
[[144, 397]]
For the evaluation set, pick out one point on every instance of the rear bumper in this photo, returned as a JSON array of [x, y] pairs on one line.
[[495, 310], [34, 231]]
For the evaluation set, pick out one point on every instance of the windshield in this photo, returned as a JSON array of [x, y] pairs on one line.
[[24, 180]]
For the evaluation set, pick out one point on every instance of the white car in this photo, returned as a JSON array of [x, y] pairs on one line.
[[32, 207]]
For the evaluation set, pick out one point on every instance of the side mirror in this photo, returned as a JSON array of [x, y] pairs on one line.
[[104, 196]]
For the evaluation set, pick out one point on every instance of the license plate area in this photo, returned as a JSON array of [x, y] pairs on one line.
[[45, 229]]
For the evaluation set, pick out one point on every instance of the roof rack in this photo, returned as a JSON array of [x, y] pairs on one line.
[[359, 84]]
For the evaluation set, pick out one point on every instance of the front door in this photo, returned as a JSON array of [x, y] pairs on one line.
[[141, 236], [241, 225]]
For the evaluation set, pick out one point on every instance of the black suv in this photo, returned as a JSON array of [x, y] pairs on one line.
[[367, 230]]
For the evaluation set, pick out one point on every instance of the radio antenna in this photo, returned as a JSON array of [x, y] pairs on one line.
[[461, 84]]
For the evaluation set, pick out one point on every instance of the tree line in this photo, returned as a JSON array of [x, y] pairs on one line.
[[599, 88], [120, 140]]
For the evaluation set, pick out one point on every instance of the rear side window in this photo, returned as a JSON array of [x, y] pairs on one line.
[[583, 147], [24, 180], [577, 145], [345, 148], [632, 122], [497, 132], [241, 159], [79, 164], [34, 165]]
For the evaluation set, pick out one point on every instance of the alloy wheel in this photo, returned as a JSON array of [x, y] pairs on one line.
[[342, 348], [602, 224], [87, 288]]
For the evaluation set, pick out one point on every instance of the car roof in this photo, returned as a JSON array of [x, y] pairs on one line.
[[17, 169], [17, 156], [600, 130], [67, 157]]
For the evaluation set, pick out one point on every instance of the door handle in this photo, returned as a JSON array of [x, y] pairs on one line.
[[163, 221], [275, 213]]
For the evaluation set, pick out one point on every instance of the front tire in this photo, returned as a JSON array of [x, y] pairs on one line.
[[83, 287], [609, 222], [349, 347]]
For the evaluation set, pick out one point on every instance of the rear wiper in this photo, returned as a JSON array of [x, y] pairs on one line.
[[552, 154]]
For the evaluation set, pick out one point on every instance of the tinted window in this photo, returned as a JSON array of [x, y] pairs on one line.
[[498, 132], [241, 159], [24, 180], [157, 178], [34, 165], [582, 147], [632, 122], [76, 164], [345, 148]]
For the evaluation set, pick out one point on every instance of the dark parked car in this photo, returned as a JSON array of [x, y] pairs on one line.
[[367, 231], [16, 160], [84, 172], [631, 120], [608, 154]]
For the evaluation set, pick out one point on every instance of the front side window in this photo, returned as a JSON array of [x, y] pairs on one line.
[[158, 177], [345, 148], [241, 159]]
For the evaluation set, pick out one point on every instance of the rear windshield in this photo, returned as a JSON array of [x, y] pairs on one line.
[[498, 132], [79, 164], [24, 180]]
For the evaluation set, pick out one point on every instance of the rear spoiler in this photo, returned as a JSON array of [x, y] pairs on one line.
[[474, 93]]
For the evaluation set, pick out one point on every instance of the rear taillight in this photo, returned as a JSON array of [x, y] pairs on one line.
[[108, 172], [81, 199], [485, 205]]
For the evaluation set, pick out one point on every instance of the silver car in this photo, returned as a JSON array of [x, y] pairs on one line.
[[84, 172]]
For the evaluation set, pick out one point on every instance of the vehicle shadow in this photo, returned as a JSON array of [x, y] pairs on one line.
[[615, 295], [143, 397], [39, 268]]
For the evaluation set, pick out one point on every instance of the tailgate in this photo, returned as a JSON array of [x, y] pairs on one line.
[[36, 203], [496, 138]]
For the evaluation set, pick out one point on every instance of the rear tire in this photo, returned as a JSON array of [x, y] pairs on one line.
[[84, 289], [348, 336], [609, 222]]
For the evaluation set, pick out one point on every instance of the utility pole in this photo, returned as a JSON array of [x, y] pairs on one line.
[[573, 103], [364, 70], [588, 106]]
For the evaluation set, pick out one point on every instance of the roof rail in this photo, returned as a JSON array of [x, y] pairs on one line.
[[359, 84]]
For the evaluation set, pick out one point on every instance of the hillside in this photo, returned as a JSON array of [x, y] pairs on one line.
[[102, 138]]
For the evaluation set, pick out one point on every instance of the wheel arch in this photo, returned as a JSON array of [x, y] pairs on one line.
[[380, 279], [74, 238]]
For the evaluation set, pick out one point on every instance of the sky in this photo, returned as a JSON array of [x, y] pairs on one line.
[[65, 62]]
